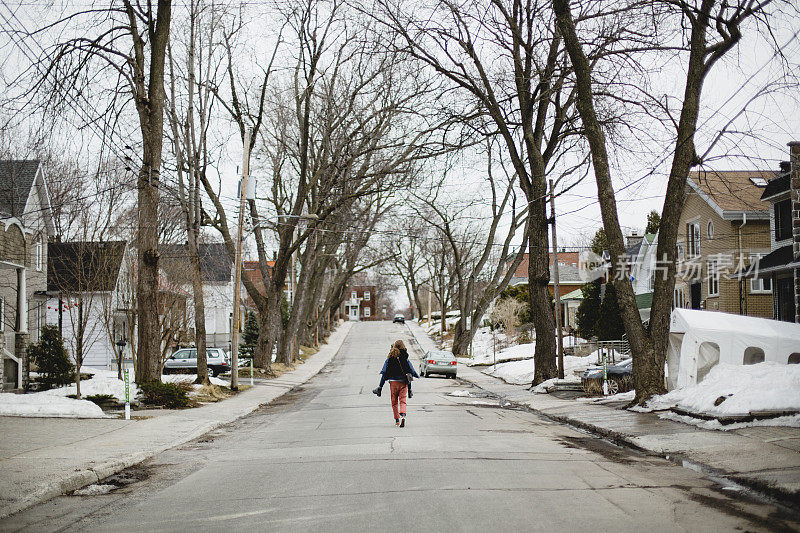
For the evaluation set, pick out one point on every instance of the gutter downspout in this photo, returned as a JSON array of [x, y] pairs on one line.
[[742, 295]]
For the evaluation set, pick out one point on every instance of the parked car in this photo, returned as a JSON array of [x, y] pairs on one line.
[[620, 378], [438, 362], [186, 359], [399, 319]]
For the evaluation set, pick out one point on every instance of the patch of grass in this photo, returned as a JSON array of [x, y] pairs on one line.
[[212, 393]]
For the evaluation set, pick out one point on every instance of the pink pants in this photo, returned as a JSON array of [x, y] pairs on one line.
[[397, 398]]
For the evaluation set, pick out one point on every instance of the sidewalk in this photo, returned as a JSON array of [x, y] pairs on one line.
[[41, 458], [766, 459]]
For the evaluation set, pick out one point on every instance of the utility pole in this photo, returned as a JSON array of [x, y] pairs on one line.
[[556, 293], [429, 307], [237, 277]]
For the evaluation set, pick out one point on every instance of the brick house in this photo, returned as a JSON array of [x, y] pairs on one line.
[[360, 303], [569, 281], [724, 226], [26, 225], [780, 269]]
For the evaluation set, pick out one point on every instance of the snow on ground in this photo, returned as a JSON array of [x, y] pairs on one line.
[[101, 382], [189, 378], [783, 421], [763, 387], [738, 391], [43, 405], [521, 372], [460, 393]]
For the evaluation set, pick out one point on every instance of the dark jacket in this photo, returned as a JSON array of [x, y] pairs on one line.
[[396, 368]]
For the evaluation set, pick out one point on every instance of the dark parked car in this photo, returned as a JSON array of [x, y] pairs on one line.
[[399, 319], [620, 378]]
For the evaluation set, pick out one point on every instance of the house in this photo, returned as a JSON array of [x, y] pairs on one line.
[[253, 271], [779, 270], [217, 275], [643, 267], [359, 303], [569, 281], [89, 299], [26, 225], [724, 226]]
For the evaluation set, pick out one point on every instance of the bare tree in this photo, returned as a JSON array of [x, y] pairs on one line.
[[509, 59], [129, 42], [710, 30]]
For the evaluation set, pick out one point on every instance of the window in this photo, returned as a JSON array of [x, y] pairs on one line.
[[366, 295], [707, 358], [783, 220], [681, 252], [710, 230], [794, 359], [678, 298], [693, 239], [713, 278], [354, 296], [39, 253], [759, 285], [366, 312], [753, 356]]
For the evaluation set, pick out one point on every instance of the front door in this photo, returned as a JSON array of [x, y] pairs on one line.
[[784, 305], [354, 312], [696, 295]]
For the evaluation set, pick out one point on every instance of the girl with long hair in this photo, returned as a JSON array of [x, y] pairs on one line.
[[398, 371]]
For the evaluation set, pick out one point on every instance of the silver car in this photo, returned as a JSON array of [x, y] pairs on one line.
[[438, 362], [186, 359]]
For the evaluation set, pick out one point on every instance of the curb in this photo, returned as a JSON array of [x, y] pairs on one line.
[[83, 477], [776, 494]]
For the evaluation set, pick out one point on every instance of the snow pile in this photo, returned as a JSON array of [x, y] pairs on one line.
[[783, 421], [545, 387], [738, 391], [101, 382], [460, 393], [44, 405], [521, 372], [189, 378]]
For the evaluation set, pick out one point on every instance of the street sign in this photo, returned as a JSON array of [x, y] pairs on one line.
[[127, 395]]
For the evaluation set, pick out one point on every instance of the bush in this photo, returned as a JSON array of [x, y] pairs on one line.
[[168, 395], [51, 358], [102, 399]]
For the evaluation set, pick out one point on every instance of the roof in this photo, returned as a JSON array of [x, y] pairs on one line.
[[776, 186], [83, 266], [644, 300], [732, 190], [778, 260], [577, 294], [215, 263], [16, 180], [567, 275], [739, 329]]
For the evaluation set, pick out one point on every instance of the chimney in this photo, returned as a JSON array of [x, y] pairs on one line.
[[794, 191], [786, 167]]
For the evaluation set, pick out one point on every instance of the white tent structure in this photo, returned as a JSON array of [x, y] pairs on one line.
[[698, 340]]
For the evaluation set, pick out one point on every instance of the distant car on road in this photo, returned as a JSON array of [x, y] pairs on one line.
[[399, 319], [186, 359], [620, 378], [438, 362]]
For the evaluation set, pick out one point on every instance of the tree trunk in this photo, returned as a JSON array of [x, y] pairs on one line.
[[150, 107], [199, 308]]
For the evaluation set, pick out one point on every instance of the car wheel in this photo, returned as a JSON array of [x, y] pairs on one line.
[[214, 371], [613, 386]]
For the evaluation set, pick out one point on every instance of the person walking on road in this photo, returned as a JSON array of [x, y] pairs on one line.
[[398, 371]]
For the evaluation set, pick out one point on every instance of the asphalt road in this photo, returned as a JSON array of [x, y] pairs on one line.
[[328, 457]]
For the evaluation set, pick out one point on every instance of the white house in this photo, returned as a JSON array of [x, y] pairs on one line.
[[217, 273], [89, 293]]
